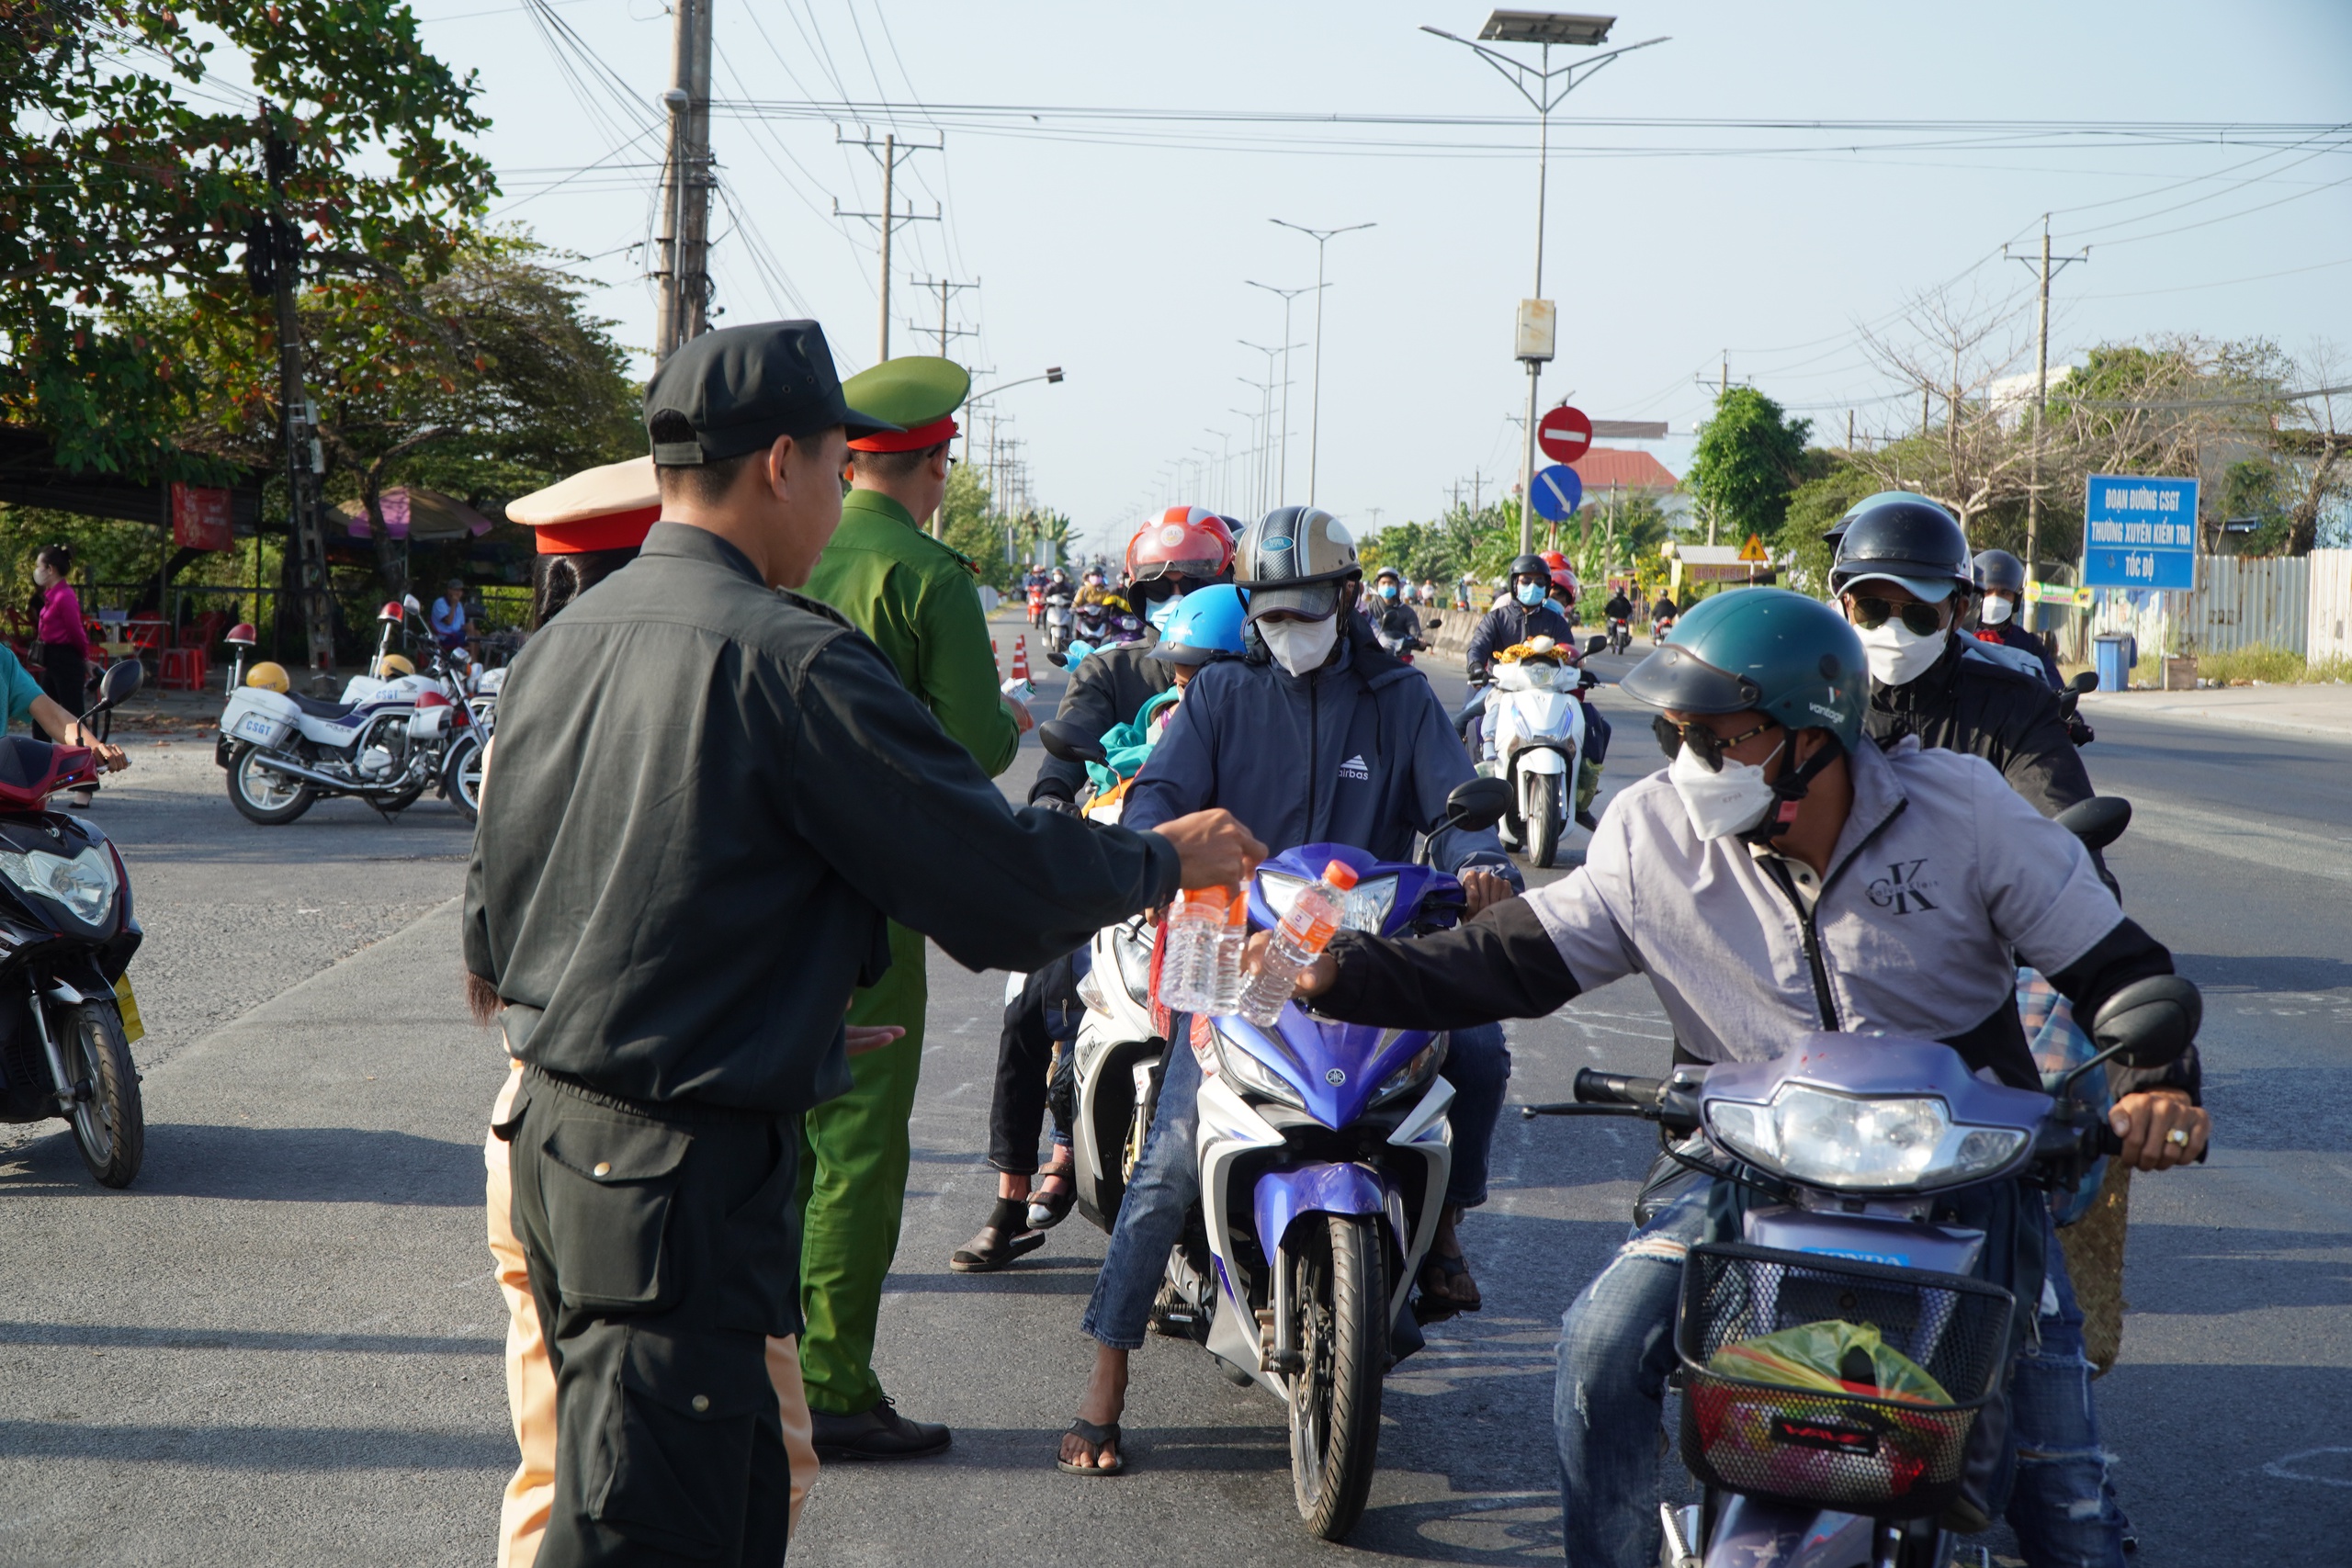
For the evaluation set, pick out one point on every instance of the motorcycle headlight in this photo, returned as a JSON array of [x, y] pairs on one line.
[[1366, 909], [84, 885], [1540, 677], [1246, 1073], [1090, 991], [1281, 890], [1135, 966], [1845, 1143], [1413, 1074]]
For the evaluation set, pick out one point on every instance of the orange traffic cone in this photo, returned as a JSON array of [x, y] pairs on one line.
[[1021, 658], [992, 663]]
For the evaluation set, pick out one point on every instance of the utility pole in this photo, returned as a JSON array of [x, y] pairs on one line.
[[890, 152], [2041, 395], [945, 288], [282, 240], [1281, 490], [1315, 418], [684, 213], [1850, 430]]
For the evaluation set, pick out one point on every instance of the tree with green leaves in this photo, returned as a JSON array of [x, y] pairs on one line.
[[1750, 455], [137, 177]]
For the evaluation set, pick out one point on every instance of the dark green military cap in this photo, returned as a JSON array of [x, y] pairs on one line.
[[741, 388], [918, 394]]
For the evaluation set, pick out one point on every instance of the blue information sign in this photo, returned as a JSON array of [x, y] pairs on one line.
[[2139, 533], [1558, 493]]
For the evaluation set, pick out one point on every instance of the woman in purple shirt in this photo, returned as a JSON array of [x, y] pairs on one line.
[[65, 646]]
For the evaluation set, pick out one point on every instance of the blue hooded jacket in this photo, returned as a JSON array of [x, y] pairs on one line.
[[1359, 752]]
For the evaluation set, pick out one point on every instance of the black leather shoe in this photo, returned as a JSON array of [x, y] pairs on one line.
[[879, 1433]]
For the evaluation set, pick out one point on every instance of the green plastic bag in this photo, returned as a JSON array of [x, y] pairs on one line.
[[1830, 1356]]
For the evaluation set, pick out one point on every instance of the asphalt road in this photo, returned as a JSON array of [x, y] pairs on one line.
[[282, 1344]]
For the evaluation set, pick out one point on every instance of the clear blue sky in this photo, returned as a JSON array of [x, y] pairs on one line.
[[1123, 252]]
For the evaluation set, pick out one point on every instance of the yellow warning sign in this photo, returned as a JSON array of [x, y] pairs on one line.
[[1754, 550]]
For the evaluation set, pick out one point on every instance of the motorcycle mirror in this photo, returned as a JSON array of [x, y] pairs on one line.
[[1593, 645], [1478, 803], [2084, 684], [409, 600], [121, 679], [2148, 1023], [1069, 743], [2099, 821]]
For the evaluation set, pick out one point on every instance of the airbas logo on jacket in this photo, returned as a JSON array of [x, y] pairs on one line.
[[1354, 768]]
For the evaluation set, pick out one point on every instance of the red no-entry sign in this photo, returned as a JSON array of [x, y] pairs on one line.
[[1563, 433]]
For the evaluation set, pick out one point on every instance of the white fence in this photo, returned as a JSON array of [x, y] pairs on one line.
[[2302, 604]]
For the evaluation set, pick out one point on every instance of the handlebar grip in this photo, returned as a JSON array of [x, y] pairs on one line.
[[2106, 1143], [1617, 1088]]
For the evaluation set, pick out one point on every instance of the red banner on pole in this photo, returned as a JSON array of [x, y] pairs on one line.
[[200, 518]]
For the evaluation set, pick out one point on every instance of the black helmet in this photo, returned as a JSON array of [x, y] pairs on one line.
[[1531, 565], [2000, 571], [1905, 538]]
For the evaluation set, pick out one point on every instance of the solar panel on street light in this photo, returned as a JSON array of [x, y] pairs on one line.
[[1546, 27]]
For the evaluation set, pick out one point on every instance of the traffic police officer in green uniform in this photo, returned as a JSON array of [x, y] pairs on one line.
[[710, 794], [916, 599]]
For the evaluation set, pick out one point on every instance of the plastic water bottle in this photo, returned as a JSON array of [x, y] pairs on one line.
[[1305, 932], [1188, 955], [1226, 979]]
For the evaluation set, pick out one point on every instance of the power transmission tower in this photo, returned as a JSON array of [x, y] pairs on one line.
[[945, 288], [2041, 391], [684, 237], [889, 152], [278, 243]]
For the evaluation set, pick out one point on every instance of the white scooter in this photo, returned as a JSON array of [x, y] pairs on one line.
[[1533, 740]]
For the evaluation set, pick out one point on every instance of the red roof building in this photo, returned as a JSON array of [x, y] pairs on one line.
[[1603, 466]]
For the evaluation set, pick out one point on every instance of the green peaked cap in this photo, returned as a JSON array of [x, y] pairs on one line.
[[911, 392]]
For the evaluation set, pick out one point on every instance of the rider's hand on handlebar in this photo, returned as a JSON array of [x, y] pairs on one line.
[[2145, 1122], [1215, 849], [1481, 889]]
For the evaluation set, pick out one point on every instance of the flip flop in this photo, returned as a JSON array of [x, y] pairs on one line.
[[1100, 1437], [1435, 1306]]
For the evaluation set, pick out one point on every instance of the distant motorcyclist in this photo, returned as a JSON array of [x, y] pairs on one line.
[[1528, 613], [1663, 612], [1903, 573], [1094, 590], [1782, 877], [2000, 591], [1392, 618], [1619, 608], [1315, 735]]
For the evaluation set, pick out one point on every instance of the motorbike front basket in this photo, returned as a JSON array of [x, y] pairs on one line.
[[1851, 1448]]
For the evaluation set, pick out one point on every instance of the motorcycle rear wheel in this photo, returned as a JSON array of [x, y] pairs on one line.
[[271, 799], [1544, 819], [110, 1125], [461, 777], [1340, 1292]]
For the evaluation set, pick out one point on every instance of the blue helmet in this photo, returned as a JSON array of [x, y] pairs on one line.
[[1207, 622]]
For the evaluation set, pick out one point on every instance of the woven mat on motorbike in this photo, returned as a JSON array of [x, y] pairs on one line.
[[2094, 1248]]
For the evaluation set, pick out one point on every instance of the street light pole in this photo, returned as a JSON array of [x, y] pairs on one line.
[[1543, 29], [1315, 417], [1281, 492]]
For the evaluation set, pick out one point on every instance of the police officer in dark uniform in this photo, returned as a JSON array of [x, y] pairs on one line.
[[1904, 576], [710, 794]]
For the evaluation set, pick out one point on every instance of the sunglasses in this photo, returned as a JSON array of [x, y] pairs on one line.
[[1704, 743], [1870, 614]]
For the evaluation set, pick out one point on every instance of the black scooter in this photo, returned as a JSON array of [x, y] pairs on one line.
[[67, 1016]]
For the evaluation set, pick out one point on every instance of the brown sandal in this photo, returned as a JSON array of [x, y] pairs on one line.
[[1000, 1241]]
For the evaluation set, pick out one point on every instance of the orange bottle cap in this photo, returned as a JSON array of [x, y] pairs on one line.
[[1340, 874]]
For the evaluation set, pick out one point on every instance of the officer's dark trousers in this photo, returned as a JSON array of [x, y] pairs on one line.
[[662, 1252], [1045, 1012]]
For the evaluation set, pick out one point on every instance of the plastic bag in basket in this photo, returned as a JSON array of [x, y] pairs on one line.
[[1808, 1444]]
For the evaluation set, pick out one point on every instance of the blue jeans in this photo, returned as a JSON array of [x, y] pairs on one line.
[[1167, 1180], [1617, 1346]]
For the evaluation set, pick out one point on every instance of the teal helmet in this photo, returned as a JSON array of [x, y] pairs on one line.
[[1792, 659], [1205, 623]]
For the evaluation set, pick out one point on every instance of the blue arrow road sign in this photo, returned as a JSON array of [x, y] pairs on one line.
[[2139, 533], [1558, 493]]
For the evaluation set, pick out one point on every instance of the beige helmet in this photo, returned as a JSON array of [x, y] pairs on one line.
[[1295, 559]]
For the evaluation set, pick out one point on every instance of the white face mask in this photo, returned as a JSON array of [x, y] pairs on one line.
[[1301, 647], [1720, 803], [1164, 612], [1994, 611], [1898, 655]]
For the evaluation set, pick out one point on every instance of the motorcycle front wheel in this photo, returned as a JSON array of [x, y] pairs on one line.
[[1339, 1294], [262, 795], [109, 1124], [461, 776], [1544, 819]]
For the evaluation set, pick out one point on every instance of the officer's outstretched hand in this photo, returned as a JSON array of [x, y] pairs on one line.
[[1215, 849], [865, 1037], [1313, 980]]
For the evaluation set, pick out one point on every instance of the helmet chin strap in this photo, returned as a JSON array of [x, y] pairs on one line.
[[1789, 788]]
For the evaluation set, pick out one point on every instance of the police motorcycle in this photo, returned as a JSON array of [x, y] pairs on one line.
[[67, 1015], [1842, 1365], [395, 734], [1533, 738]]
